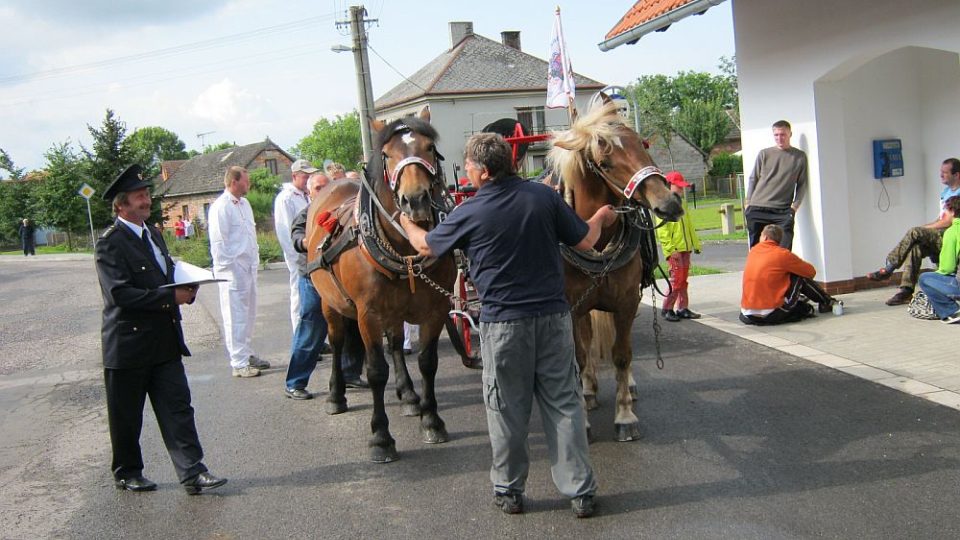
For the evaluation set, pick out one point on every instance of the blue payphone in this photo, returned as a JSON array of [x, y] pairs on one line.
[[887, 158]]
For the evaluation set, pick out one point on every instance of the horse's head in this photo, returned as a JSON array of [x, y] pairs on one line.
[[600, 143], [411, 163]]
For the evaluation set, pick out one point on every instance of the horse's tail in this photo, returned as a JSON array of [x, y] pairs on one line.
[[604, 333]]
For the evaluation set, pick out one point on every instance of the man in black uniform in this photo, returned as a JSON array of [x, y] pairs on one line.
[[143, 342]]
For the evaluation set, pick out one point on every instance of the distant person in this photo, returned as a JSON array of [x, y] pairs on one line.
[[178, 229], [776, 187], [236, 256], [293, 198], [777, 284], [922, 241], [353, 175], [187, 229], [335, 171], [28, 237], [678, 240], [142, 342], [941, 287]]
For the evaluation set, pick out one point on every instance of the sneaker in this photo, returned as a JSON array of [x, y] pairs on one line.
[[952, 319], [583, 506], [880, 275], [685, 313], [670, 315], [297, 393], [258, 362], [902, 297], [246, 372], [509, 503]]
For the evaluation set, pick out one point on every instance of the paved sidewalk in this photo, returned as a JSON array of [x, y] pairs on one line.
[[870, 340]]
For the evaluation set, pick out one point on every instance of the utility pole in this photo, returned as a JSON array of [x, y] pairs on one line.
[[358, 31]]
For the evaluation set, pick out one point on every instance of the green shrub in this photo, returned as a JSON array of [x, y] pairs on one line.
[[725, 164], [196, 249]]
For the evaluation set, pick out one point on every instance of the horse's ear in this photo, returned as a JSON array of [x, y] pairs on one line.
[[425, 114], [605, 98], [377, 125]]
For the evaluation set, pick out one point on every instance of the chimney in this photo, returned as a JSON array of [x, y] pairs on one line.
[[460, 31], [511, 38]]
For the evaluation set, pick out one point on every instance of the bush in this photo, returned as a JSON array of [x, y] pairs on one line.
[[196, 249], [725, 164]]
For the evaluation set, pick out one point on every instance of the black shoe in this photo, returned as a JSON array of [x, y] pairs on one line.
[[687, 314], [902, 297], [880, 275], [137, 483], [356, 383], [202, 481], [509, 503], [297, 393], [670, 315], [583, 506], [326, 349]]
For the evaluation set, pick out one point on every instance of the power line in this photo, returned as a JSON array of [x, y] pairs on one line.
[[384, 60], [169, 51]]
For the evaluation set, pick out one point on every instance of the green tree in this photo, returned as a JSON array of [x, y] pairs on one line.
[[104, 161], [217, 147], [6, 164], [16, 203], [149, 146], [263, 190], [57, 203], [338, 140], [705, 123]]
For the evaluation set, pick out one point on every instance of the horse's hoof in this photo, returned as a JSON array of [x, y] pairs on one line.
[[435, 436], [473, 362], [591, 401], [409, 409], [633, 392], [627, 432], [384, 454], [335, 407]]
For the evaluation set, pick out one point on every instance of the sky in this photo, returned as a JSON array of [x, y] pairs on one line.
[[244, 70]]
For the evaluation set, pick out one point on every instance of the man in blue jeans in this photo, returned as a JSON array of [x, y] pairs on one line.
[[941, 287], [311, 331], [510, 231]]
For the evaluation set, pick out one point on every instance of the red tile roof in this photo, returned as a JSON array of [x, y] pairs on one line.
[[644, 11]]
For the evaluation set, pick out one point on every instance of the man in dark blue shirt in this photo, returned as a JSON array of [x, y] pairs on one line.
[[510, 231]]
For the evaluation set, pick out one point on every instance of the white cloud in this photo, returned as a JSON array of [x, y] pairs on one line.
[[226, 103]]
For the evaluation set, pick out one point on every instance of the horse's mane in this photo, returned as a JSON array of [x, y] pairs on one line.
[[415, 124], [572, 148]]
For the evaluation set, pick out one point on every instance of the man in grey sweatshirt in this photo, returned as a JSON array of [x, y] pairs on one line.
[[776, 187]]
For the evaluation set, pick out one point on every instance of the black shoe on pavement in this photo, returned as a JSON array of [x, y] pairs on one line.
[[880, 275], [356, 383], [509, 503], [583, 506], [297, 393], [137, 483], [670, 315], [902, 297], [685, 313], [202, 481]]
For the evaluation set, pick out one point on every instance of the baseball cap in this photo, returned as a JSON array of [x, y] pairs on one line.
[[302, 165], [677, 179]]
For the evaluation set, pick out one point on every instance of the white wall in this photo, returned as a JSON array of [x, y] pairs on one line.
[[811, 63]]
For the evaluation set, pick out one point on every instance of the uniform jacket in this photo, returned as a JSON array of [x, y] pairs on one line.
[[141, 322]]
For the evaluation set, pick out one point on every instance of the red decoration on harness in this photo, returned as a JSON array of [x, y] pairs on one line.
[[646, 143], [327, 221]]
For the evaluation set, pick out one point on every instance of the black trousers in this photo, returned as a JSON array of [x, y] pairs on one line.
[[758, 217], [795, 306], [166, 384]]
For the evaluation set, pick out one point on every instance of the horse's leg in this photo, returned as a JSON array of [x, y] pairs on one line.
[[626, 425], [383, 448], [583, 343], [336, 327], [432, 427], [409, 400]]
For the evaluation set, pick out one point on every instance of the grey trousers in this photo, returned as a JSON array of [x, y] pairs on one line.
[[525, 359]]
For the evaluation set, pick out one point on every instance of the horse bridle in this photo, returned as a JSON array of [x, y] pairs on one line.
[[634, 182]]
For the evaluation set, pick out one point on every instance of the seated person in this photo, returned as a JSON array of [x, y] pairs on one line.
[[941, 286], [920, 242], [777, 284]]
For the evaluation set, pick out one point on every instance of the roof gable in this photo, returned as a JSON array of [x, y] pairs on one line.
[[476, 65], [204, 173]]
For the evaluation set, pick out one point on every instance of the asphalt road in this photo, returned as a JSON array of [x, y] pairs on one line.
[[740, 441]]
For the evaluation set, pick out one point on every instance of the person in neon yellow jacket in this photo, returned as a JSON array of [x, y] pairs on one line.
[[678, 239]]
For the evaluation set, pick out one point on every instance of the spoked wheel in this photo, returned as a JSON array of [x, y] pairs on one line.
[[465, 340]]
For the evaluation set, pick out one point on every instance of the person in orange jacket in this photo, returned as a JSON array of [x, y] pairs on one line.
[[778, 284]]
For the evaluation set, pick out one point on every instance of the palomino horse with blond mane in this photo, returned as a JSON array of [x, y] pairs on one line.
[[602, 161], [365, 270]]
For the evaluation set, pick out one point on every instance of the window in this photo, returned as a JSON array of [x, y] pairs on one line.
[[534, 118], [206, 212], [186, 212], [271, 165]]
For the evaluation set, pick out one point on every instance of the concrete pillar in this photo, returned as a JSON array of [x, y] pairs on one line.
[[728, 222]]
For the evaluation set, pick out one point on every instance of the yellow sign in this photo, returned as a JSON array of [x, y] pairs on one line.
[[86, 191]]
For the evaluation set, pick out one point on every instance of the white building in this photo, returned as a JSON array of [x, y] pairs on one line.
[[843, 73]]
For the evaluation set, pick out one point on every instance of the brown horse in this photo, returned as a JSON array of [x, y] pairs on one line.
[[368, 271], [602, 161]]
